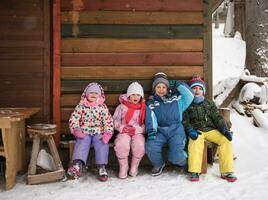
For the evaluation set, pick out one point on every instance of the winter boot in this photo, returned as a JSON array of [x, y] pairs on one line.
[[194, 177], [123, 165], [102, 173], [75, 169], [134, 166], [156, 171], [230, 177]]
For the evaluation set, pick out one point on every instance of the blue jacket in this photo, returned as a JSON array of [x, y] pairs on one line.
[[165, 112]]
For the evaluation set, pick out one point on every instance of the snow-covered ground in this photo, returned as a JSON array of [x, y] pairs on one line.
[[229, 55], [250, 147]]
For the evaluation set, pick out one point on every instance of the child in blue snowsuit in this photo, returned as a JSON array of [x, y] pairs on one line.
[[163, 123]]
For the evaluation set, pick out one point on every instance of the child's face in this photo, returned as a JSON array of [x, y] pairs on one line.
[[134, 98], [161, 89], [93, 96], [198, 91]]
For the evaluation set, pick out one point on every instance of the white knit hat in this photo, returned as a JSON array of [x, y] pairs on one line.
[[135, 88]]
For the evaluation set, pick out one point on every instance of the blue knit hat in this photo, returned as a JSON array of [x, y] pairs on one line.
[[160, 78], [197, 81]]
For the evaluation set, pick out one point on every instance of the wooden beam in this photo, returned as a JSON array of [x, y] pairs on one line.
[[85, 45], [117, 59], [132, 5], [208, 74], [127, 72], [126, 17], [56, 68], [216, 4], [47, 63], [132, 31]]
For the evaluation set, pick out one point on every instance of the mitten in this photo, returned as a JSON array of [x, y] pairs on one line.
[[106, 136], [193, 134], [129, 130], [151, 136], [78, 133], [228, 134]]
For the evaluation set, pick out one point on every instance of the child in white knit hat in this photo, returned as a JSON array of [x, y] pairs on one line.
[[129, 122]]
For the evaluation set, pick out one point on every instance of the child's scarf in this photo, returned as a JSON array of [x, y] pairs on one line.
[[131, 109], [198, 99]]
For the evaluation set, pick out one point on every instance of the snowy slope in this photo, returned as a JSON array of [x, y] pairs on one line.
[[251, 166]]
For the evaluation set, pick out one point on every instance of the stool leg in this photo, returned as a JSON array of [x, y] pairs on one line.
[[35, 151], [54, 152]]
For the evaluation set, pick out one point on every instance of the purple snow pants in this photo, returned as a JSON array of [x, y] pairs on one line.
[[82, 147]]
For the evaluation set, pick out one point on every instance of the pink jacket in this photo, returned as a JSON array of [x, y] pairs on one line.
[[119, 118]]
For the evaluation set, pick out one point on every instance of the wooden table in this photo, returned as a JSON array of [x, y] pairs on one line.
[[12, 125]]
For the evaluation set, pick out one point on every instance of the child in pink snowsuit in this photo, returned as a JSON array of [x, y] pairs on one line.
[[91, 124], [129, 121]]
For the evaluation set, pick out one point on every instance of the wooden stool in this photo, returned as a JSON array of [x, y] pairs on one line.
[[40, 133]]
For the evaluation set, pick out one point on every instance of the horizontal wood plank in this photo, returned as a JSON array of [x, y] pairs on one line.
[[13, 66], [132, 31], [20, 51], [124, 17], [180, 58], [127, 72], [13, 84], [133, 5], [128, 45], [21, 43], [17, 5], [22, 56], [112, 86], [19, 98]]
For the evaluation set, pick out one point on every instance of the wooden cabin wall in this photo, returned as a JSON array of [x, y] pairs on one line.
[[117, 42], [25, 55]]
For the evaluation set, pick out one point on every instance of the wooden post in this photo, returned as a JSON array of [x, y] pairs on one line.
[[239, 10], [207, 5], [56, 68]]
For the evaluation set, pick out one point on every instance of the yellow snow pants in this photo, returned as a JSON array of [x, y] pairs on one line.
[[196, 147]]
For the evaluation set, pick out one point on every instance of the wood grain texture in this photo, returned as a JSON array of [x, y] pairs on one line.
[[104, 59], [133, 5], [56, 68], [127, 45], [112, 86], [127, 72], [132, 31], [126, 17]]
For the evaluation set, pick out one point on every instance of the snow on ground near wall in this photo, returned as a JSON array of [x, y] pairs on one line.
[[229, 55], [250, 148]]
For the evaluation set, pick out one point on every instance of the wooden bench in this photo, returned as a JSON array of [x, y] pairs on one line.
[[209, 151]]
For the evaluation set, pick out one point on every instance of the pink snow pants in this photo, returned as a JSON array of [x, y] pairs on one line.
[[124, 142]]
